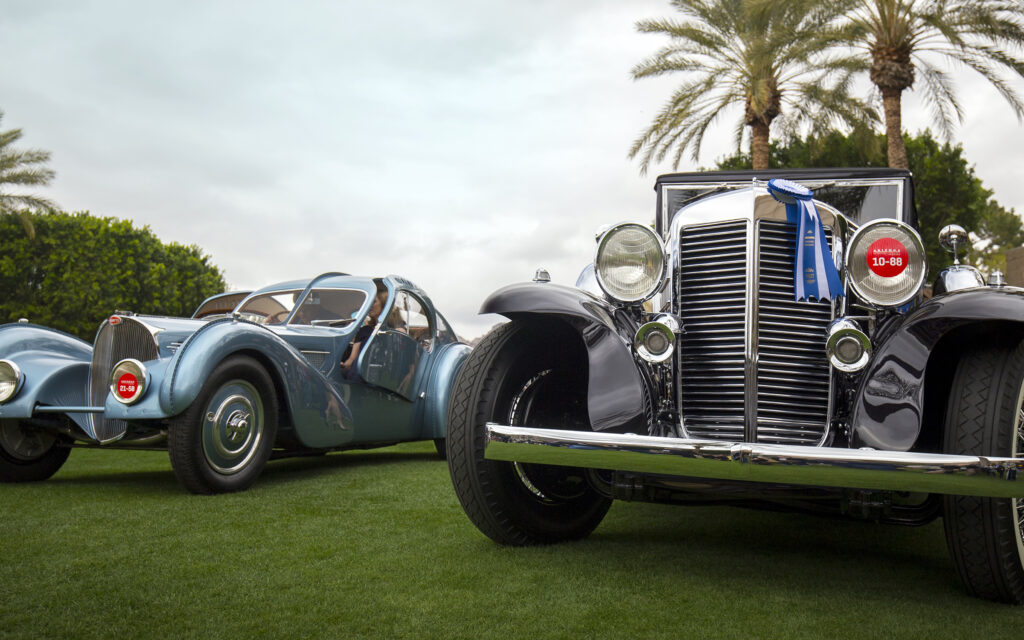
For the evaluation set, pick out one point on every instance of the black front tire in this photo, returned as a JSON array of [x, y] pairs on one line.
[[528, 375], [223, 440], [29, 454], [985, 417]]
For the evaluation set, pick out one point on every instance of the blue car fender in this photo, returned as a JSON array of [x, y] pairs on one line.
[[447, 364], [315, 408], [54, 366]]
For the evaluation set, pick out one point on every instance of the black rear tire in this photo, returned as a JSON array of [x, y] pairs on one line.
[[984, 417], [29, 454], [223, 440], [528, 375]]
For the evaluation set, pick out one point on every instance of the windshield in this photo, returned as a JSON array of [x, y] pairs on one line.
[[321, 307], [858, 200]]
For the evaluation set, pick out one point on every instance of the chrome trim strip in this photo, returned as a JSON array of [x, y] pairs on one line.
[[48, 409], [750, 344], [801, 465]]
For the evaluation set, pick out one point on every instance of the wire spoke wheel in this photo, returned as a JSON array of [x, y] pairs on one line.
[[526, 375]]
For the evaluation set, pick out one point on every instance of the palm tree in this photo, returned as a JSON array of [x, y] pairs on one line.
[[902, 36], [22, 168], [764, 55]]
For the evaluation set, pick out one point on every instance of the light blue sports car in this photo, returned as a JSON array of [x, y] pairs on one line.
[[335, 362]]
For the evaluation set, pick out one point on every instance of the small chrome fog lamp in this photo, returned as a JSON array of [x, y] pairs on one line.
[[128, 381], [848, 348], [10, 380], [656, 341]]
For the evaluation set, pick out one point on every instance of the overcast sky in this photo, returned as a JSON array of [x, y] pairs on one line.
[[459, 143]]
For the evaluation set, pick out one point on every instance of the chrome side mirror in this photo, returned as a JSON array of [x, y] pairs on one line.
[[953, 237]]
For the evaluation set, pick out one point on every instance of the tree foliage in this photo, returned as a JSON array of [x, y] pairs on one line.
[[946, 188], [904, 38], [764, 56], [80, 268], [22, 168]]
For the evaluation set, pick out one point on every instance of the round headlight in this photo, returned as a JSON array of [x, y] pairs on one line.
[[886, 263], [10, 380], [128, 380], [630, 262]]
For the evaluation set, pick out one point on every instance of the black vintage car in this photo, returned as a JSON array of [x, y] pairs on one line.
[[683, 368]]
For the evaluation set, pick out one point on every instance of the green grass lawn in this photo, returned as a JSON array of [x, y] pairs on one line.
[[374, 544]]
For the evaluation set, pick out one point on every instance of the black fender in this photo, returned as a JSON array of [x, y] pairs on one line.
[[889, 408], [615, 387]]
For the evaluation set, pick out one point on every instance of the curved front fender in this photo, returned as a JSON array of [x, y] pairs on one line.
[[55, 366], [889, 407], [615, 388], [448, 363], [318, 412]]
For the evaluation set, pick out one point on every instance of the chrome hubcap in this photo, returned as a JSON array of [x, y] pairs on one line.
[[233, 427], [24, 444]]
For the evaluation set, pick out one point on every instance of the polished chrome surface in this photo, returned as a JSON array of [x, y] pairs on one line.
[[793, 377], [870, 287], [997, 279], [764, 380], [846, 331], [602, 254], [127, 338], [669, 218], [233, 427], [710, 292], [654, 342], [542, 275], [953, 237], [137, 369], [957, 277], [817, 466]]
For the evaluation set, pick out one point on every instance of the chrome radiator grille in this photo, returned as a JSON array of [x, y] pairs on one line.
[[781, 395], [115, 342]]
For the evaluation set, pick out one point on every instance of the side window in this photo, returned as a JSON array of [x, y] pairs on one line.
[[409, 316], [329, 307]]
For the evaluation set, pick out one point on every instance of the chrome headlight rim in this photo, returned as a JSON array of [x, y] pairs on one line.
[[664, 326], [839, 331], [852, 254], [136, 369], [657, 282], [12, 372]]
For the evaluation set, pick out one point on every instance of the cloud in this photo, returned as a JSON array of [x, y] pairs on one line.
[[461, 144]]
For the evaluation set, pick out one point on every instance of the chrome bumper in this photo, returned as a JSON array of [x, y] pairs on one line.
[[818, 466]]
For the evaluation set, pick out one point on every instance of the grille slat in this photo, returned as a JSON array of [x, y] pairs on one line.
[[127, 338], [793, 379]]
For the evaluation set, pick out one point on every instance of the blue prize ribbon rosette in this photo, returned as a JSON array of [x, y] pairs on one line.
[[814, 273]]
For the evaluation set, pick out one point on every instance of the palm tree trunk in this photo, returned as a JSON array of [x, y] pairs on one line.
[[894, 128], [759, 145]]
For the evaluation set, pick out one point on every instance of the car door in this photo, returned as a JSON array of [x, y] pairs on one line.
[[395, 359]]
